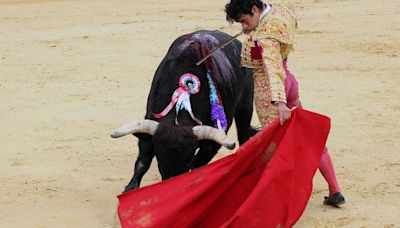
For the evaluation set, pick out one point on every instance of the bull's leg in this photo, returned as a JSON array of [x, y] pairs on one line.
[[243, 119], [143, 162], [207, 151]]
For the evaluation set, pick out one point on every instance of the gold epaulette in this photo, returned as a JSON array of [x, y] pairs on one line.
[[278, 24], [287, 5]]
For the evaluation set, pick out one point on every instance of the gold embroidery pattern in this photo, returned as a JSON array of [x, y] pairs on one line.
[[286, 5], [274, 36], [278, 24], [266, 111], [273, 68]]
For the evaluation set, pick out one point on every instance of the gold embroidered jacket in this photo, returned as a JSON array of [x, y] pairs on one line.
[[270, 43]]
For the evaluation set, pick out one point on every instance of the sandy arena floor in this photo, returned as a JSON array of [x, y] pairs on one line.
[[73, 71]]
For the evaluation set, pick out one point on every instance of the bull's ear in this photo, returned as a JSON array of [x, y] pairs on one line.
[[210, 133], [140, 126]]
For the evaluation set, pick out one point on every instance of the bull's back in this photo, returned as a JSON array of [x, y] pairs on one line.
[[182, 57]]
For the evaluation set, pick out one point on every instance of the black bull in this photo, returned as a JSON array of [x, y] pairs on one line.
[[178, 141]]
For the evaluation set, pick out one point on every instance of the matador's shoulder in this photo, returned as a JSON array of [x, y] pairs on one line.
[[280, 23]]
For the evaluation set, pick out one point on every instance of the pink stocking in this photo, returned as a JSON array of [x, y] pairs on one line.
[[327, 170], [325, 166]]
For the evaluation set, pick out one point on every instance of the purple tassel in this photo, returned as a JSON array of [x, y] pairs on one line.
[[217, 110], [217, 113]]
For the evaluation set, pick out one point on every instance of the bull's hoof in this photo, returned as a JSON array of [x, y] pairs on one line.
[[254, 130], [130, 187]]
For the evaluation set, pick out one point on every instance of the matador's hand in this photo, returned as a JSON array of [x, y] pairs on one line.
[[283, 112]]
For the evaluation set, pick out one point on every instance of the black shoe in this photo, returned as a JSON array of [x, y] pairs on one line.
[[335, 200]]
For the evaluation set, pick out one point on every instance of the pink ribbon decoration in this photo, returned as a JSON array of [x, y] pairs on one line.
[[188, 84]]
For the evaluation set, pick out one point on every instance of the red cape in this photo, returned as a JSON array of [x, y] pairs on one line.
[[266, 183]]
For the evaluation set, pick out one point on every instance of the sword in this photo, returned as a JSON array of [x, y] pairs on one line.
[[218, 48]]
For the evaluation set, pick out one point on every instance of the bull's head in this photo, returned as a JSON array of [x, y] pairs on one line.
[[174, 152]]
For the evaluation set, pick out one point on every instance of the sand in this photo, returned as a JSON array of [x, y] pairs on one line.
[[73, 71]]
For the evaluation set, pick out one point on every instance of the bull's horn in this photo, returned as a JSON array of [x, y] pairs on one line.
[[210, 133], [139, 126]]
